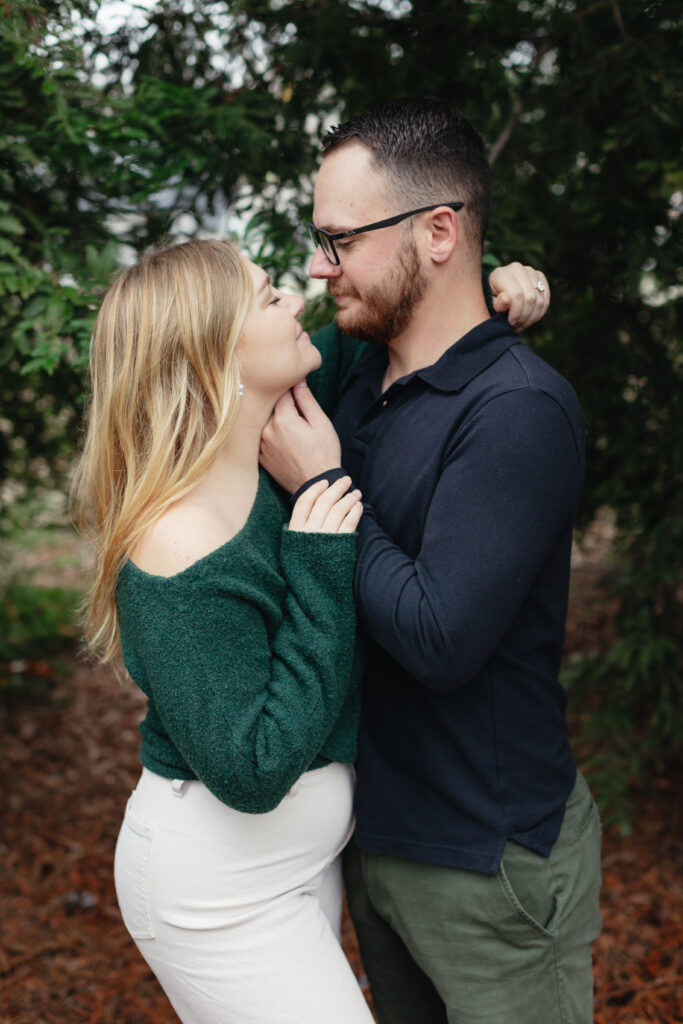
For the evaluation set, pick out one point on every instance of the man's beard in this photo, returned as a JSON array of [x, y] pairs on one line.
[[387, 308]]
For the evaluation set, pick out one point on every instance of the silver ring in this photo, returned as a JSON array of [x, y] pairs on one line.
[[540, 287]]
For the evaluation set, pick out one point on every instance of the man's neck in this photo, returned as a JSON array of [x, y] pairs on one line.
[[438, 323]]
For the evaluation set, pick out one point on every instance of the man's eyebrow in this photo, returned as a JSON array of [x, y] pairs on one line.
[[333, 229]]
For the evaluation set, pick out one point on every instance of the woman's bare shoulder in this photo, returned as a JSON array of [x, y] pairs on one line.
[[182, 535]]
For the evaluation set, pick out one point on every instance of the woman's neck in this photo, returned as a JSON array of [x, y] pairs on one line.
[[237, 461]]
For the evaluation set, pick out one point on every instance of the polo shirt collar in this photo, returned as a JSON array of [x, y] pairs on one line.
[[461, 363], [470, 355]]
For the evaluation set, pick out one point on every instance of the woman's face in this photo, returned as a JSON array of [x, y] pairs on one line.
[[274, 350]]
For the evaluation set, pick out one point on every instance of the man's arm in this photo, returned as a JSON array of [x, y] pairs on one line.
[[505, 497]]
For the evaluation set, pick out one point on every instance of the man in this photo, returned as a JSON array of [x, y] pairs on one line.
[[474, 878]]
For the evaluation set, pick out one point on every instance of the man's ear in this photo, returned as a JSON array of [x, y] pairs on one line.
[[444, 233]]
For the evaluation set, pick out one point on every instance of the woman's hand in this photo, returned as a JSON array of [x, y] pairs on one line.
[[522, 292], [325, 508]]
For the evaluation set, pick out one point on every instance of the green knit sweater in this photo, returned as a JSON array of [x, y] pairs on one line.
[[248, 659]]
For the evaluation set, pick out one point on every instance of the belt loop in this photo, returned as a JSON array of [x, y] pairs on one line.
[[178, 786]]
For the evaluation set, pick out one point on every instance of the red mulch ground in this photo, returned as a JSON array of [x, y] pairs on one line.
[[67, 763]]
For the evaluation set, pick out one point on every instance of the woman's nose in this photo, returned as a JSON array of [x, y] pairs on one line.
[[295, 304]]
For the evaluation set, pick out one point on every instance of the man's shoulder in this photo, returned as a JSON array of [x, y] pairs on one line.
[[534, 373], [522, 386], [518, 384]]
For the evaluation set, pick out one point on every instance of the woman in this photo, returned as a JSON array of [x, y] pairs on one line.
[[237, 622]]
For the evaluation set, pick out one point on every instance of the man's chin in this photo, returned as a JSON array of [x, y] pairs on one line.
[[354, 327]]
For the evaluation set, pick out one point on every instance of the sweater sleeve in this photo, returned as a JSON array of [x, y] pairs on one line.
[[509, 488], [249, 704]]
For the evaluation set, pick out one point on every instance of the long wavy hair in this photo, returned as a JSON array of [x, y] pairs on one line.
[[164, 391]]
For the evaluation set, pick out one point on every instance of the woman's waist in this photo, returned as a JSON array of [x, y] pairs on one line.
[[312, 822]]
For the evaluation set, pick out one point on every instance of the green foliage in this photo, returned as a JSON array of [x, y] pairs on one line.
[[632, 689], [54, 248], [41, 591], [204, 116], [36, 622]]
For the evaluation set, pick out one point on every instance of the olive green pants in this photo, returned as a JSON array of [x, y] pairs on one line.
[[445, 946]]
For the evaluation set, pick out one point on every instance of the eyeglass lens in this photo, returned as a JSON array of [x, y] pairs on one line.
[[327, 248], [319, 239]]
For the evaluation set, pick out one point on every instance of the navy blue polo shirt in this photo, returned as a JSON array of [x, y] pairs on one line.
[[471, 471]]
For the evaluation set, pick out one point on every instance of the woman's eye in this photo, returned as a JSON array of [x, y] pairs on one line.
[[274, 301]]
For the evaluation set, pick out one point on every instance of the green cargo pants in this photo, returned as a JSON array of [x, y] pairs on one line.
[[445, 946]]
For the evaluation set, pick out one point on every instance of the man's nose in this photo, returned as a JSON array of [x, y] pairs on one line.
[[321, 267]]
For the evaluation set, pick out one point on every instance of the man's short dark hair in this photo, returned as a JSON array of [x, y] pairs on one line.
[[429, 152]]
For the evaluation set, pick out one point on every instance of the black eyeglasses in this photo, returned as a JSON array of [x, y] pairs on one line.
[[326, 240]]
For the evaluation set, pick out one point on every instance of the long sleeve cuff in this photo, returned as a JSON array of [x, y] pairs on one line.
[[331, 475]]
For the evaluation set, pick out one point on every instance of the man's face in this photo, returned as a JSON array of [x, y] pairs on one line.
[[380, 280]]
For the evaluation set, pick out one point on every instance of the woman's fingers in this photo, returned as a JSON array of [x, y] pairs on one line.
[[533, 299], [323, 518], [304, 504], [352, 518], [522, 292], [338, 512], [327, 509]]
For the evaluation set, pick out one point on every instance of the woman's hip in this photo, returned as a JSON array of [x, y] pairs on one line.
[[178, 838]]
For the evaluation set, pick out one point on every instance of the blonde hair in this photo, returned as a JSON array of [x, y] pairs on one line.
[[164, 394]]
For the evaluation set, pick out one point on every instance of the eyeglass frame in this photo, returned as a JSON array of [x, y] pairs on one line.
[[389, 222]]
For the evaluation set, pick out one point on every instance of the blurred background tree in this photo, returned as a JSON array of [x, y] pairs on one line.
[[194, 116]]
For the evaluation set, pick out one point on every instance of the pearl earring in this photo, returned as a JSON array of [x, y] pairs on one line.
[[241, 389]]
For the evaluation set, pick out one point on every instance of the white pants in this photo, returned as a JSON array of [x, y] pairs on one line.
[[238, 915]]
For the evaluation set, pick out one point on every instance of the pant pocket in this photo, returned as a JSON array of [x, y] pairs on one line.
[[530, 885], [580, 813], [131, 876]]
